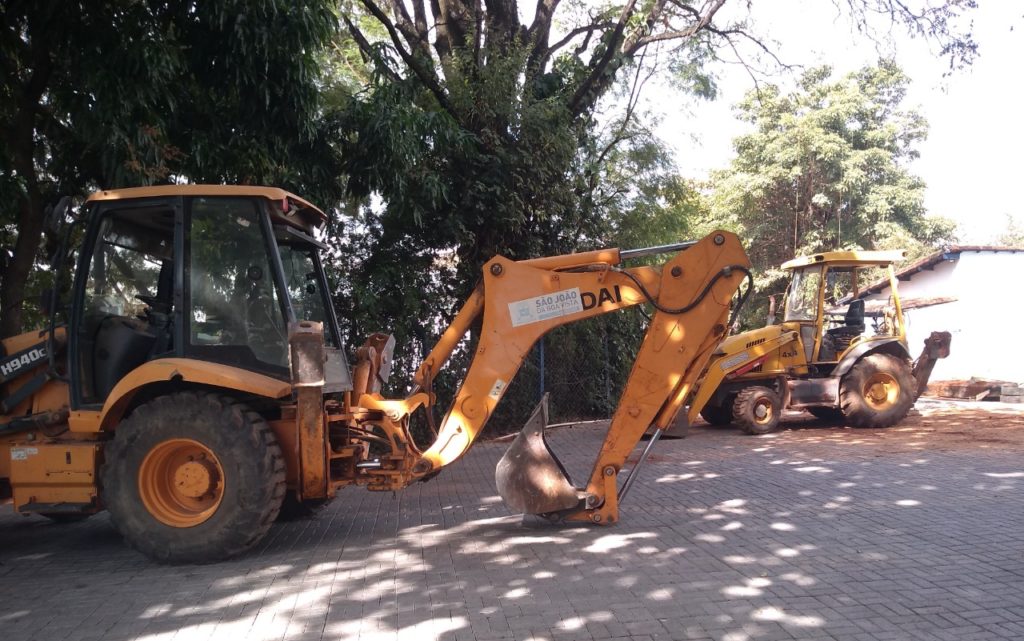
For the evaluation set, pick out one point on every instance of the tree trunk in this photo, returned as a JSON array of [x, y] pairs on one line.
[[30, 214], [30, 231]]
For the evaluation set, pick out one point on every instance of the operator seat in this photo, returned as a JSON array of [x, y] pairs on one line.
[[123, 343], [852, 327]]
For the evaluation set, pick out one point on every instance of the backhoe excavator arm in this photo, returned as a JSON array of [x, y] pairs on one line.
[[522, 301]]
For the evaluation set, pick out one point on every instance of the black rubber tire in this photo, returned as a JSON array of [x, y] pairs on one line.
[[253, 470], [718, 414], [830, 414], [757, 410], [292, 509], [64, 518], [857, 408]]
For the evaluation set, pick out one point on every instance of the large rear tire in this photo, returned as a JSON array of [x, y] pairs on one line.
[[878, 391], [63, 518], [757, 410], [292, 509], [193, 477]]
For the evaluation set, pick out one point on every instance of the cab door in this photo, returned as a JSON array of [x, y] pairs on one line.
[[803, 314], [126, 294]]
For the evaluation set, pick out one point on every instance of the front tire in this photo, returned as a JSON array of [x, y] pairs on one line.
[[193, 477], [877, 391], [757, 410]]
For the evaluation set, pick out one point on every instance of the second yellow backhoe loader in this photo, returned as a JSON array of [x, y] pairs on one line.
[[823, 357], [201, 376]]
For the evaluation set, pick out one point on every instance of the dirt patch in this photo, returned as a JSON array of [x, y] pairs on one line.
[[931, 425]]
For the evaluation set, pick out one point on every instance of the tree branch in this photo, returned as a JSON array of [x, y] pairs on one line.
[[757, 41], [588, 29], [442, 42], [367, 50], [631, 103], [599, 68], [403, 22], [427, 77], [539, 32], [703, 21], [420, 12]]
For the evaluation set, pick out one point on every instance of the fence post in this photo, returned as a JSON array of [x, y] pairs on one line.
[[607, 375], [540, 392]]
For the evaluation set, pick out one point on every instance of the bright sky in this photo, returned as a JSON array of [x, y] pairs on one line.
[[971, 160]]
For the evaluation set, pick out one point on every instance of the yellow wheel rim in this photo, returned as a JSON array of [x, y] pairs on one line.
[[181, 482], [763, 411], [881, 391]]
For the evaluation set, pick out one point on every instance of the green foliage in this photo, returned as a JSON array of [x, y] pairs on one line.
[[825, 168], [1013, 233], [121, 93], [442, 199]]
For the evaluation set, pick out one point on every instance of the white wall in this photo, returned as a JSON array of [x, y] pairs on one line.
[[984, 320]]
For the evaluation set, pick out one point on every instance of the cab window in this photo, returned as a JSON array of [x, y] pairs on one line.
[[127, 298], [802, 299], [235, 315], [305, 289]]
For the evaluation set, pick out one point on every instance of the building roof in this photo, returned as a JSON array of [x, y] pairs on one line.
[[949, 252], [270, 193]]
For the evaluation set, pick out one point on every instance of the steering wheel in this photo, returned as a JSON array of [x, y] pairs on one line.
[[154, 304]]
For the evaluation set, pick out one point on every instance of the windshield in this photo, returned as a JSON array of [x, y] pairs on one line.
[[802, 298]]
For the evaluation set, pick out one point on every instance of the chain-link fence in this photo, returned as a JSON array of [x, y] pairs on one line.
[[583, 367]]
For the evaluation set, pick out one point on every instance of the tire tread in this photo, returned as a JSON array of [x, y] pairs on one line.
[[245, 527]]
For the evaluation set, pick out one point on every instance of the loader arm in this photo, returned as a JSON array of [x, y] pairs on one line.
[[726, 364], [522, 301]]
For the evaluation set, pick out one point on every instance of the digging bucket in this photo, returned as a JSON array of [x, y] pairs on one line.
[[530, 478]]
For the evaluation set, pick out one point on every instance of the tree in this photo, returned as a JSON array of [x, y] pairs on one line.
[[478, 134], [825, 168], [481, 134], [483, 117], [121, 93], [1012, 234]]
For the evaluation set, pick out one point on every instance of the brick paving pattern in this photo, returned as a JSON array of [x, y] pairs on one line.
[[807, 534]]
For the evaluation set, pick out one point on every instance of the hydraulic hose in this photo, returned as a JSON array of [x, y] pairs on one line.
[[725, 271]]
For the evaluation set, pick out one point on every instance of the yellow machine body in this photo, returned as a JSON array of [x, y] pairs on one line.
[[317, 425], [803, 361]]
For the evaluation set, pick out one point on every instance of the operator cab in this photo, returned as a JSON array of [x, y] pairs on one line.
[[822, 304], [208, 273]]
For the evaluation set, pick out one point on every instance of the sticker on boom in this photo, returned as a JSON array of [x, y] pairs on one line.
[[497, 389], [546, 307], [733, 361]]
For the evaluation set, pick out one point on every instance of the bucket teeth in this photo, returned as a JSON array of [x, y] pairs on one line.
[[530, 478]]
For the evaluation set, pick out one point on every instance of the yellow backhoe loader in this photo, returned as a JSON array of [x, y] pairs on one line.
[[823, 357], [201, 375]]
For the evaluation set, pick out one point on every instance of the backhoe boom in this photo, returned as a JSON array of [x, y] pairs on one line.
[[522, 301]]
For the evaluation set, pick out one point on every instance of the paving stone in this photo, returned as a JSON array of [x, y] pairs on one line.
[[801, 535]]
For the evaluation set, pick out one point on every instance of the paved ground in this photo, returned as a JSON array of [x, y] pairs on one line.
[[817, 532]]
